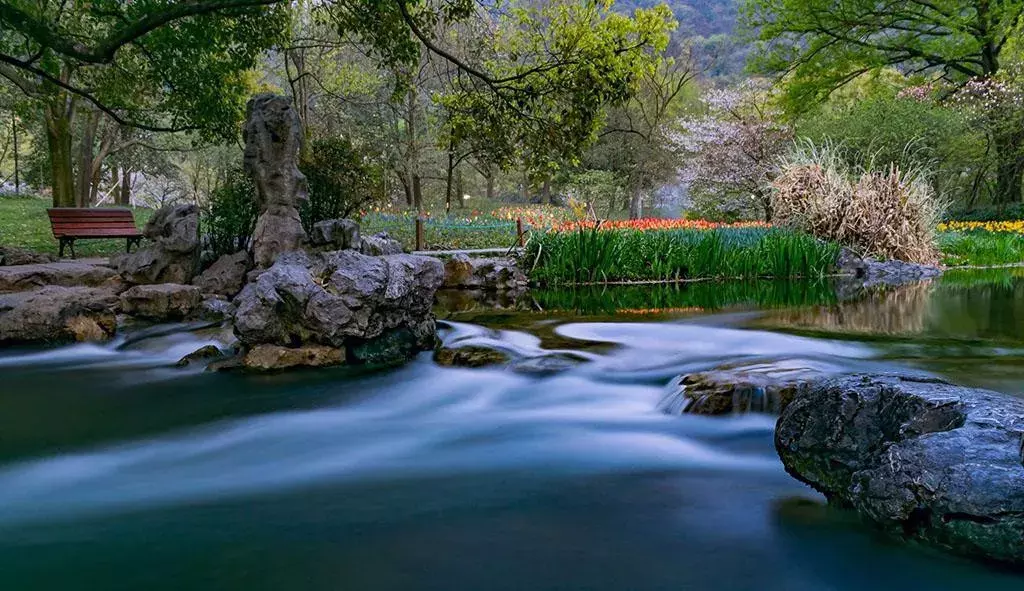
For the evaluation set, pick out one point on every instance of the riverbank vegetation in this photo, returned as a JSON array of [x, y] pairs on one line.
[[598, 255]]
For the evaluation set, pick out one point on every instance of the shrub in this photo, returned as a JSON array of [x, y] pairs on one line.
[[230, 215], [341, 181], [890, 214]]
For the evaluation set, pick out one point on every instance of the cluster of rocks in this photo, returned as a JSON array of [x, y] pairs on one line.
[[329, 298]]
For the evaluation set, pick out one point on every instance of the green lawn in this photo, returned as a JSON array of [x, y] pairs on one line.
[[23, 223]]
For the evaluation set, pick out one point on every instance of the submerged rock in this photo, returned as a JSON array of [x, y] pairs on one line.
[[924, 459], [172, 253], [858, 273], [490, 274], [471, 356], [733, 391], [225, 276], [63, 274], [58, 314], [274, 357], [203, 354], [164, 301]]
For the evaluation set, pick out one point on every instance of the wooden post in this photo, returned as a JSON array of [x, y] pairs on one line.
[[419, 233], [519, 232]]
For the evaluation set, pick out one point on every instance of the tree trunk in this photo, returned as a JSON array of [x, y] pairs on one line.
[[14, 133], [58, 140], [545, 192], [406, 187], [636, 205], [124, 192], [417, 192], [1010, 167], [460, 189], [85, 159], [94, 185], [490, 188]]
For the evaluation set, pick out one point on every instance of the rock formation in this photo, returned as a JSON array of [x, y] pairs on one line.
[[172, 254], [225, 276], [336, 235], [379, 244], [923, 459], [272, 140], [58, 314], [64, 274], [490, 274], [377, 309], [12, 255], [164, 301]]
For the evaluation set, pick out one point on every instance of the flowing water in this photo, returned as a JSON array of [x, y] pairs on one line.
[[558, 471]]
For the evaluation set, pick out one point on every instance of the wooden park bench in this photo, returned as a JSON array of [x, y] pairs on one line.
[[72, 223]]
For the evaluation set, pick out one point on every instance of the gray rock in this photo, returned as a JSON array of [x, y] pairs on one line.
[[172, 254], [163, 301], [336, 234], [273, 137], [380, 244], [861, 272], [12, 255], [225, 276], [337, 299], [923, 459], [58, 314], [64, 274], [214, 308], [491, 274]]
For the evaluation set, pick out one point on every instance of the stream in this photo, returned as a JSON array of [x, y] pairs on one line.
[[120, 471]]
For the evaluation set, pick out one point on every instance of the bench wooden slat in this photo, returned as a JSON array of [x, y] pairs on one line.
[[69, 224]]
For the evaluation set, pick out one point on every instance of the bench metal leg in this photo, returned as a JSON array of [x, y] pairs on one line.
[[134, 240], [67, 242]]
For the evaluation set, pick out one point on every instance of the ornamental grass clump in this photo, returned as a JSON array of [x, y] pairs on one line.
[[886, 214]]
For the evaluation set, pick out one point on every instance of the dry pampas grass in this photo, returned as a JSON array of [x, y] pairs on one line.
[[888, 214]]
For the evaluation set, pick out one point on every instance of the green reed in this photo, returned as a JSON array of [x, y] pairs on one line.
[[599, 256]]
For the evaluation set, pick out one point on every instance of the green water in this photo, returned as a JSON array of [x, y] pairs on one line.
[[119, 471]]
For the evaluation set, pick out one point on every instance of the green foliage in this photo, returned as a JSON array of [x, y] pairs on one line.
[[341, 181], [981, 248], [880, 129], [1009, 212], [594, 255], [824, 44], [230, 215], [551, 74], [440, 233]]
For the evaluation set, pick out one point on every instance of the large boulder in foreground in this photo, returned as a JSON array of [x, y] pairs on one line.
[[172, 253], [64, 274], [378, 309], [924, 459], [57, 314]]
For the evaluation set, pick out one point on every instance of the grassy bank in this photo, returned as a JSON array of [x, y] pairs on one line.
[[23, 223], [981, 248], [595, 255]]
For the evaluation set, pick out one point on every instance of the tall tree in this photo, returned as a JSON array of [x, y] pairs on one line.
[[820, 45], [152, 64]]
